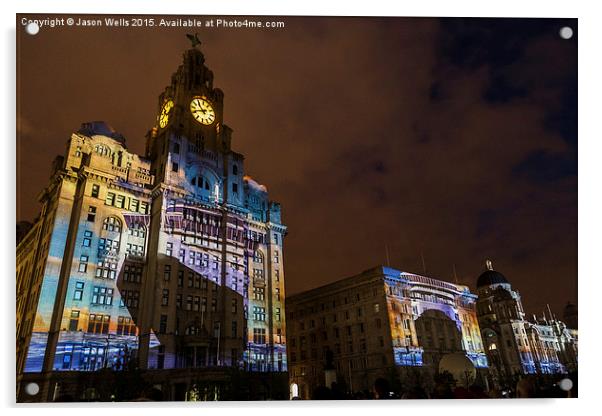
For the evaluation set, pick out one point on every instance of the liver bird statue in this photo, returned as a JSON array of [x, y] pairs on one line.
[[194, 39]]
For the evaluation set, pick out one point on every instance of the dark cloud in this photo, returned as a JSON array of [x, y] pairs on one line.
[[448, 139]]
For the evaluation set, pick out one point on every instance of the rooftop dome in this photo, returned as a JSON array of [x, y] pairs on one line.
[[490, 277], [100, 128]]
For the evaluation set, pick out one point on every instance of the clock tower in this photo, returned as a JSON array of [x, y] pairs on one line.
[[215, 228]]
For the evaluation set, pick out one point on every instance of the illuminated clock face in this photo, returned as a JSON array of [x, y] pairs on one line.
[[202, 111], [164, 116]]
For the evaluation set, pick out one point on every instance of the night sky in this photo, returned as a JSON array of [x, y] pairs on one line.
[[454, 138]]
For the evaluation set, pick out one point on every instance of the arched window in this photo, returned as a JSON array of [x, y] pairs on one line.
[[101, 150], [201, 182], [258, 256], [234, 170], [111, 224], [137, 229], [192, 330]]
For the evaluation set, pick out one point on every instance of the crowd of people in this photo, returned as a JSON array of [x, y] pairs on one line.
[[526, 387]]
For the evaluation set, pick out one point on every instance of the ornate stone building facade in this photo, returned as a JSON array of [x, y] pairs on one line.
[[516, 346], [378, 322], [173, 260]]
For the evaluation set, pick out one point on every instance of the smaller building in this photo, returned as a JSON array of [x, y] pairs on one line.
[[516, 346], [379, 323]]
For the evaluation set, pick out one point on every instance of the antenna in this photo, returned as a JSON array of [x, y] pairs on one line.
[[423, 263], [550, 312]]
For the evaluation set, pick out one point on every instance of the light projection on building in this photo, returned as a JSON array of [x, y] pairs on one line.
[[171, 260], [430, 318]]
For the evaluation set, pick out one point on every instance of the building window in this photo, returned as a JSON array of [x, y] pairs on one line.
[[277, 275], [106, 270], [196, 304], [258, 313], [111, 224], [234, 170], [279, 335], [188, 302], [234, 333], [259, 335], [213, 305], [277, 314], [163, 324], [278, 294], [125, 326], [167, 272], [130, 298], [98, 324], [102, 296], [174, 167], [87, 238], [95, 191], [234, 306], [79, 291], [83, 264], [258, 257], [259, 293], [169, 248], [134, 205], [178, 301], [132, 273], [180, 278], [91, 213], [137, 229], [74, 320], [165, 297], [276, 257], [235, 188], [120, 201], [110, 199]]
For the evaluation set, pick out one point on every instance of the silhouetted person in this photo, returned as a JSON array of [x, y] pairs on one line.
[[416, 393], [381, 389], [525, 388], [478, 392], [443, 391], [322, 393], [64, 398]]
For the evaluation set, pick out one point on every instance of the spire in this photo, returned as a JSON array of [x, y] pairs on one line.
[[489, 265]]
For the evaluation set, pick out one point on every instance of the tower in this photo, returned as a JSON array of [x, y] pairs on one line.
[[216, 230]]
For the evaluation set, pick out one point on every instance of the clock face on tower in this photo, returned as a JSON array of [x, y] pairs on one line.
[[164, 116], [202, 111]]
